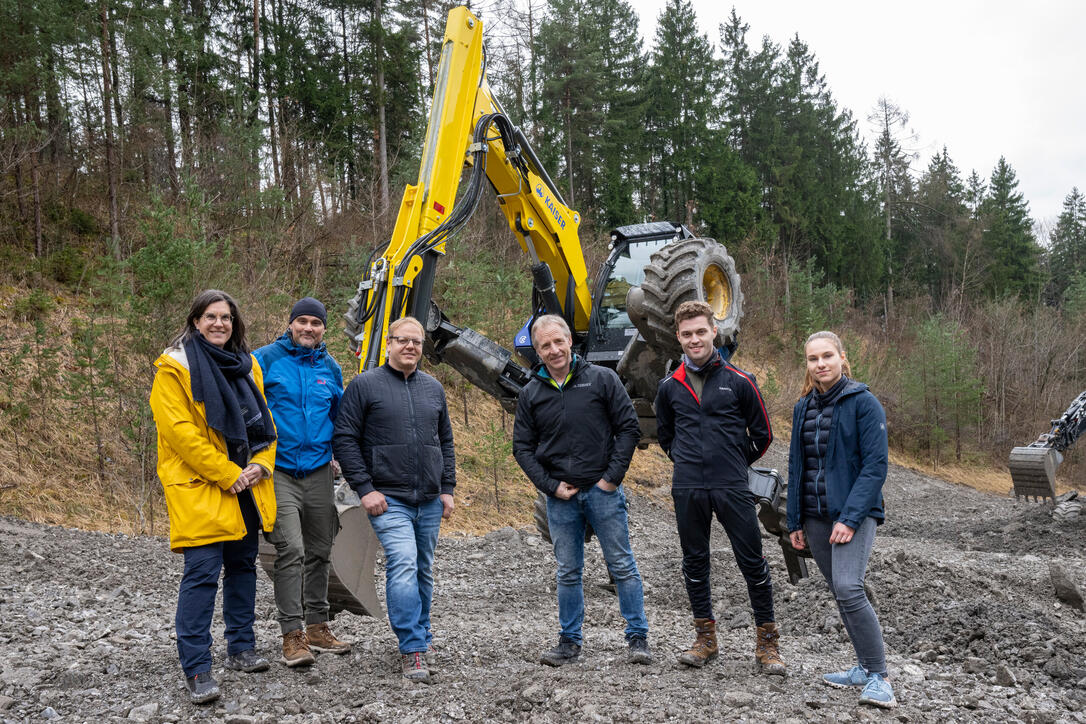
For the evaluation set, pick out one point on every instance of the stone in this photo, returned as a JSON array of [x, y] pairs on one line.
[[973, 665], [6, 702], [1066, 590], [1005, 677], [145, 712], [1058, 668], [50, 713], [535, 694], [738, 699], [508, 533]]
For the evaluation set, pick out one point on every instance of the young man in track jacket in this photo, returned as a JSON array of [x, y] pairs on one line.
[[712, 423], [574, 436]]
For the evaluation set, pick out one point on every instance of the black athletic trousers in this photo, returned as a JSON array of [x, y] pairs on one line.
[[735, 509]]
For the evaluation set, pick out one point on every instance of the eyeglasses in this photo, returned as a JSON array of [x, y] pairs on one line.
[[212, 318], [407, 341]]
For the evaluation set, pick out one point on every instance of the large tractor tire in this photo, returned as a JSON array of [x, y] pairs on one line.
[[691, 269]]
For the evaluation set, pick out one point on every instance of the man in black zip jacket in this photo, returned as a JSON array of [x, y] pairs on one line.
[[712, 423], [394, 443], [574, 436]]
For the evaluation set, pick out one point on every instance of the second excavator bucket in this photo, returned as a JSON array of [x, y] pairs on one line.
[[1033, 470], [351, 579]]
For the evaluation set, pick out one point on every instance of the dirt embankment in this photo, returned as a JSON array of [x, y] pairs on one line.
[[962, 583]]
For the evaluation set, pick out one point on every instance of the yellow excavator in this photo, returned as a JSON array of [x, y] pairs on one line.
[[624, 321]]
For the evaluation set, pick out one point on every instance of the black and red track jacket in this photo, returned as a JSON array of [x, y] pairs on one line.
[[712, 440]]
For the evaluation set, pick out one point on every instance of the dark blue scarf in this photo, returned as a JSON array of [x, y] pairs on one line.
[[232, 402]]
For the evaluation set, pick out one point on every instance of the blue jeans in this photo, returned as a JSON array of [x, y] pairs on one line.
[[843, 565], [606, 513], [408, 535], [200, 584]]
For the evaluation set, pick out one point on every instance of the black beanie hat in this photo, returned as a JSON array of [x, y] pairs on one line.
[[309, 306]]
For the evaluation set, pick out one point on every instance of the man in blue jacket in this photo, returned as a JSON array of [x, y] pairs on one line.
[[303, 385], [712, 423], [394, 440], [574, 436]]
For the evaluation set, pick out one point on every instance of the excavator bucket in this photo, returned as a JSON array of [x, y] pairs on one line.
[[1033, 470], [351, 572]]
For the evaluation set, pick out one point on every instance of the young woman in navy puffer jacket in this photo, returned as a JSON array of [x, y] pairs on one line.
[[836, 469]]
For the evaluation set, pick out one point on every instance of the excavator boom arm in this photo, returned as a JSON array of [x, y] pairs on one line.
[[468, 127]]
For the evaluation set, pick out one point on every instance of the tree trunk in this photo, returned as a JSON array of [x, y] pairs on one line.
[[428, 45], [107, 94], [35, 184], [569, 146], [273, 146], [54, 113], [167, 124], [17, 170], [352, 187], [382, 139], [889, 260]]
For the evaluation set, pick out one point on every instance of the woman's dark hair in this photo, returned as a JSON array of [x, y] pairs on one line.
[[203, 300]]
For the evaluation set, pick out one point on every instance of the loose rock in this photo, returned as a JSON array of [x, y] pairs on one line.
[[1066, 590]]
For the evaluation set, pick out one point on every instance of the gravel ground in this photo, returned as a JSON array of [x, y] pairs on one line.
[[963, 583]]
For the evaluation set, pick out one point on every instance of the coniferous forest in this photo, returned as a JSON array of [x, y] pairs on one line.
[[152, 148]]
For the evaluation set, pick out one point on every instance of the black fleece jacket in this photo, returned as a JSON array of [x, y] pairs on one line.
[[578, 434], [393, 435], [712, 438]]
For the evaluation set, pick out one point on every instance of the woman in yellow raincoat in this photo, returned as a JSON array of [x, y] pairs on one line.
[[216, 453]]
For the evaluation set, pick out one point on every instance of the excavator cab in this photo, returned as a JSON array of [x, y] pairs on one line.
[[610, 328]]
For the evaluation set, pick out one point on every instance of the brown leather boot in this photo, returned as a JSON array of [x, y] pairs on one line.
[[766, 654], [321, 639], [704, 649], [296, 649]]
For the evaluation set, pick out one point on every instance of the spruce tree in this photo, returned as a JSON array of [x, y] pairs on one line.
[[1008, 240], [942, 228], [681, 109], [1067, 255]]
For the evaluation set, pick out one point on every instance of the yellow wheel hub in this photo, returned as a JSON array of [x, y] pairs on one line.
[[718, 292]]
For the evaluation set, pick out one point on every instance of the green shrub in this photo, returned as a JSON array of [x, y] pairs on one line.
[[66, 266], [33, 307], [82, 223]]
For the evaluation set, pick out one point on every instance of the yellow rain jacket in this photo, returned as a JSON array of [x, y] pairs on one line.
[[193, 465]]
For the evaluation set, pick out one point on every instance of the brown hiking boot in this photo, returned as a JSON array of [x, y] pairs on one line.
[[766, 654], [704, 649], [296, 649], [321, 639]]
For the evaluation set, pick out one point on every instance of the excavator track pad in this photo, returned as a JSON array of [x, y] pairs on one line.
[[1033, 470]]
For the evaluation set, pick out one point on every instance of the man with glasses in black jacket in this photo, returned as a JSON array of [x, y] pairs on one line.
[[393, 440]]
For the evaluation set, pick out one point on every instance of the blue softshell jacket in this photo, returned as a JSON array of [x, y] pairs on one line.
[[303, 387], [855, 459]]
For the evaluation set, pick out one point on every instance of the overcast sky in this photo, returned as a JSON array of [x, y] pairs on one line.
[[986, 79]]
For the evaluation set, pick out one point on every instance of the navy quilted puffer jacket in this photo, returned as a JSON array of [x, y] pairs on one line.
[[816, 437]]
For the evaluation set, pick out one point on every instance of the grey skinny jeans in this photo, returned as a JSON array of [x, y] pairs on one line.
[[843, 565], [305, 528]]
